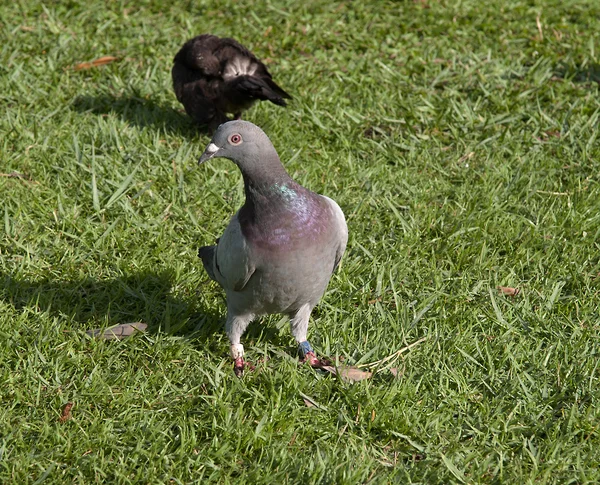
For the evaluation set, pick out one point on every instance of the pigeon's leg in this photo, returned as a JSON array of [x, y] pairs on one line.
[[299, 328], [235, 327]]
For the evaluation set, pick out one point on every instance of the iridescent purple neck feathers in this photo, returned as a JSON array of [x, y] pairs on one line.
[[282, 214]]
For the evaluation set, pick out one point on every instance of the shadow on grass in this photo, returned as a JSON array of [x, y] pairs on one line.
[[579, 74], [140, 112], [142, 297]]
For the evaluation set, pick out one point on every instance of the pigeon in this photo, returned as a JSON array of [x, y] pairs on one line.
[[280, 249], [213, 76]]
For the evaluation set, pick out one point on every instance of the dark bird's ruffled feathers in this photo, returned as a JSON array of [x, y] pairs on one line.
[[214, 76], [207, 255]]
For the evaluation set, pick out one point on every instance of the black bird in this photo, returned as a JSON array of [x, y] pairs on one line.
[[214, 76]]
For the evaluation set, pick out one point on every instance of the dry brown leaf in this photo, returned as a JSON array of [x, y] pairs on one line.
[[66, 412], [508, 291], [101, 61], [395, 372], [118, 332], [311, 403], [350, 374]]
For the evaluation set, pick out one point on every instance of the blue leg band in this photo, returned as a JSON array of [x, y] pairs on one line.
[[304, 348]]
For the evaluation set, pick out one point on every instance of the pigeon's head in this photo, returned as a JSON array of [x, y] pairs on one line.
[[241, 142]]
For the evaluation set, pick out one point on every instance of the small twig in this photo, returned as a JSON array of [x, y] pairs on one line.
[[539, 26], [548, 192], [20, 176], [394, 356]]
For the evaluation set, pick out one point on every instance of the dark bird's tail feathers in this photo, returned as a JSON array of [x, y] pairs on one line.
[[207, 255], [260, 88]]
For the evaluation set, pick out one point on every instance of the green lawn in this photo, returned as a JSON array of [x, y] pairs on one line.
[[460, 139]]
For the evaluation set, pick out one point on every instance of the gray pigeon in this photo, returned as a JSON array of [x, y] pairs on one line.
[[280, 249], [214, 76]]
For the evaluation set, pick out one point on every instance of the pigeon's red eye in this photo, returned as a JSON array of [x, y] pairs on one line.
[[235, 139]]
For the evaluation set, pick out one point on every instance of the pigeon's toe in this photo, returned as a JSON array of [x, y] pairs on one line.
[[307, 354], [312, 360], [238, 366]]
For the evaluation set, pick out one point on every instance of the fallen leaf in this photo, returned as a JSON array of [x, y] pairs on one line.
[[395, 372], [66, 412], [101, 61], [118, 332], [311, 403], [508, 291], [350, 374]]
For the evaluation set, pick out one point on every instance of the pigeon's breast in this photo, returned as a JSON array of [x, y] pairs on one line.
[[289, 226], [294, 255]]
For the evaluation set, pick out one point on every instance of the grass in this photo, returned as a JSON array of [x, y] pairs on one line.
[[459, 137]]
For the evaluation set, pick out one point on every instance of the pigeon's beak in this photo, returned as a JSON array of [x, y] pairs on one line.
[[208, 153]]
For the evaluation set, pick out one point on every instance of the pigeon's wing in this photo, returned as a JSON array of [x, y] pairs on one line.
[[341, 229], [233, 265]]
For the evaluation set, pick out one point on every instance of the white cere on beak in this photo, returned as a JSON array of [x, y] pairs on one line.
[[212, 148]]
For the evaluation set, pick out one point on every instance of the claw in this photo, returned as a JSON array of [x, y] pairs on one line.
[[239, 365], [308, 354], [312, 360]]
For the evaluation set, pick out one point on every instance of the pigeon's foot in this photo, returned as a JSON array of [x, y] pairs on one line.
[[239, 364], [312, 360], [308, 355]]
